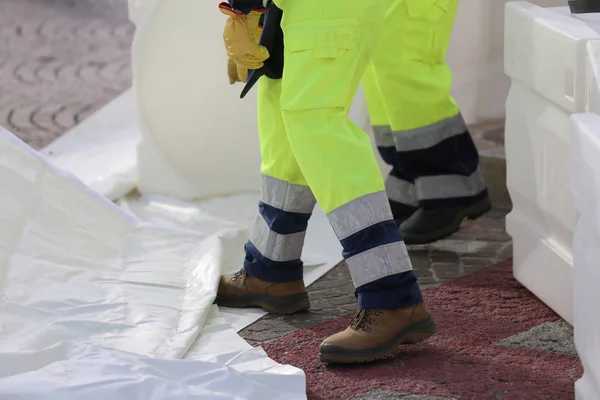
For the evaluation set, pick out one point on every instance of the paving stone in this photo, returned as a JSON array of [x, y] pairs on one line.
[[547, 337], [444, 271], [385, 395], [60, 60]]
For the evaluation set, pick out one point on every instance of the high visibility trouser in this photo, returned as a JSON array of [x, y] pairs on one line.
[[418, 127], [312, 152]]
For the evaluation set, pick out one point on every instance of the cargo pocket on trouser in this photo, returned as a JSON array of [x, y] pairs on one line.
[[321, 59], [439, 15], [417, 64], [430, 9], [324, 62]]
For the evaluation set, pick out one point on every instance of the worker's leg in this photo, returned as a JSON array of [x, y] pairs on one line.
[[327, 48], [272, 274], [400, 188], [436, 157]]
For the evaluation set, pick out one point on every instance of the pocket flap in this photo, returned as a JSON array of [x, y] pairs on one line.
[[325, 38], [431, 9]]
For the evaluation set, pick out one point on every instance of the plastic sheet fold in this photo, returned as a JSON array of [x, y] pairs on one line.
[[96, 303], [78, 371]]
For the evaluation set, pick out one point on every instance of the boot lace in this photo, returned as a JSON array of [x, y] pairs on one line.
[[362, 319], [238, 275]]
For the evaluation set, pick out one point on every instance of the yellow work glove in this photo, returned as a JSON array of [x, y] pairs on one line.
[[238, 73], [241, 35]]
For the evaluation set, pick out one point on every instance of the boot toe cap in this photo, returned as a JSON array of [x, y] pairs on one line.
[[327, 348], [340, 342]]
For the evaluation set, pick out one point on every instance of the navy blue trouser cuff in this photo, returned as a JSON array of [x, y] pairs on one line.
[[390, 293], [260, 267]]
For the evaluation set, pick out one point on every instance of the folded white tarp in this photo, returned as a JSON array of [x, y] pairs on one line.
[[97, 304], [80, 371]]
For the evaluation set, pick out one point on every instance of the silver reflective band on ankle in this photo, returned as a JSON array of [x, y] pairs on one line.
[[274, 246], [401, 191], [287, 196], [449, 186], [359, 214], [383, 136], [429, 136], [378, 263]]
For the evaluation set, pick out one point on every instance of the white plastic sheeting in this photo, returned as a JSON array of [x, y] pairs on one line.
[[69, 255], [96, 303], [100, 151], [80, 371], [236, 215]]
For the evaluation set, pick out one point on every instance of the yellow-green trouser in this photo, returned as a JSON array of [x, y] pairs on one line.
[[312, 152], [418, 127]]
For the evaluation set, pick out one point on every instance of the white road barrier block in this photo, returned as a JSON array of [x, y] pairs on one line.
[[545, 57], [476, 57], [585, 154], [592, 77]]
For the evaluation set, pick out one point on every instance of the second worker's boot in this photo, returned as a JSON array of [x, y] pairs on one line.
[[430, 225], [241, 290], [375, 334]]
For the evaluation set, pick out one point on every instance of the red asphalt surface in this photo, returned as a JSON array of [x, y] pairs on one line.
[[460, 361]]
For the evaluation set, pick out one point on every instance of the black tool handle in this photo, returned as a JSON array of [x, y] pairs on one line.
[[272, 39]]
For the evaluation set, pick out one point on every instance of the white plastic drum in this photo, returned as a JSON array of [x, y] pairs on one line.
[[198, 138]]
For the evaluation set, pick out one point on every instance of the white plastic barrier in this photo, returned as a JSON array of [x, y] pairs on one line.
[[476, 57], [545, 59], [585, 142], [553, 59], [585, 154]]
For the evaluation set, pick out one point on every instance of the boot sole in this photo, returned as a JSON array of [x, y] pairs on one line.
[[471, 212], [412, 334], [285, 305]]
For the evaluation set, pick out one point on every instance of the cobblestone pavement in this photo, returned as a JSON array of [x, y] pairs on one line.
[[60, 60]]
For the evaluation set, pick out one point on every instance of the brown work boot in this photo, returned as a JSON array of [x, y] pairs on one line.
[[241, 290], [375, 334]]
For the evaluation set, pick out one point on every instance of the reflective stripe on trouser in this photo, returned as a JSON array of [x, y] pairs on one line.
[[433, 166], [418, 128], [275, 247], [307, 141]]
